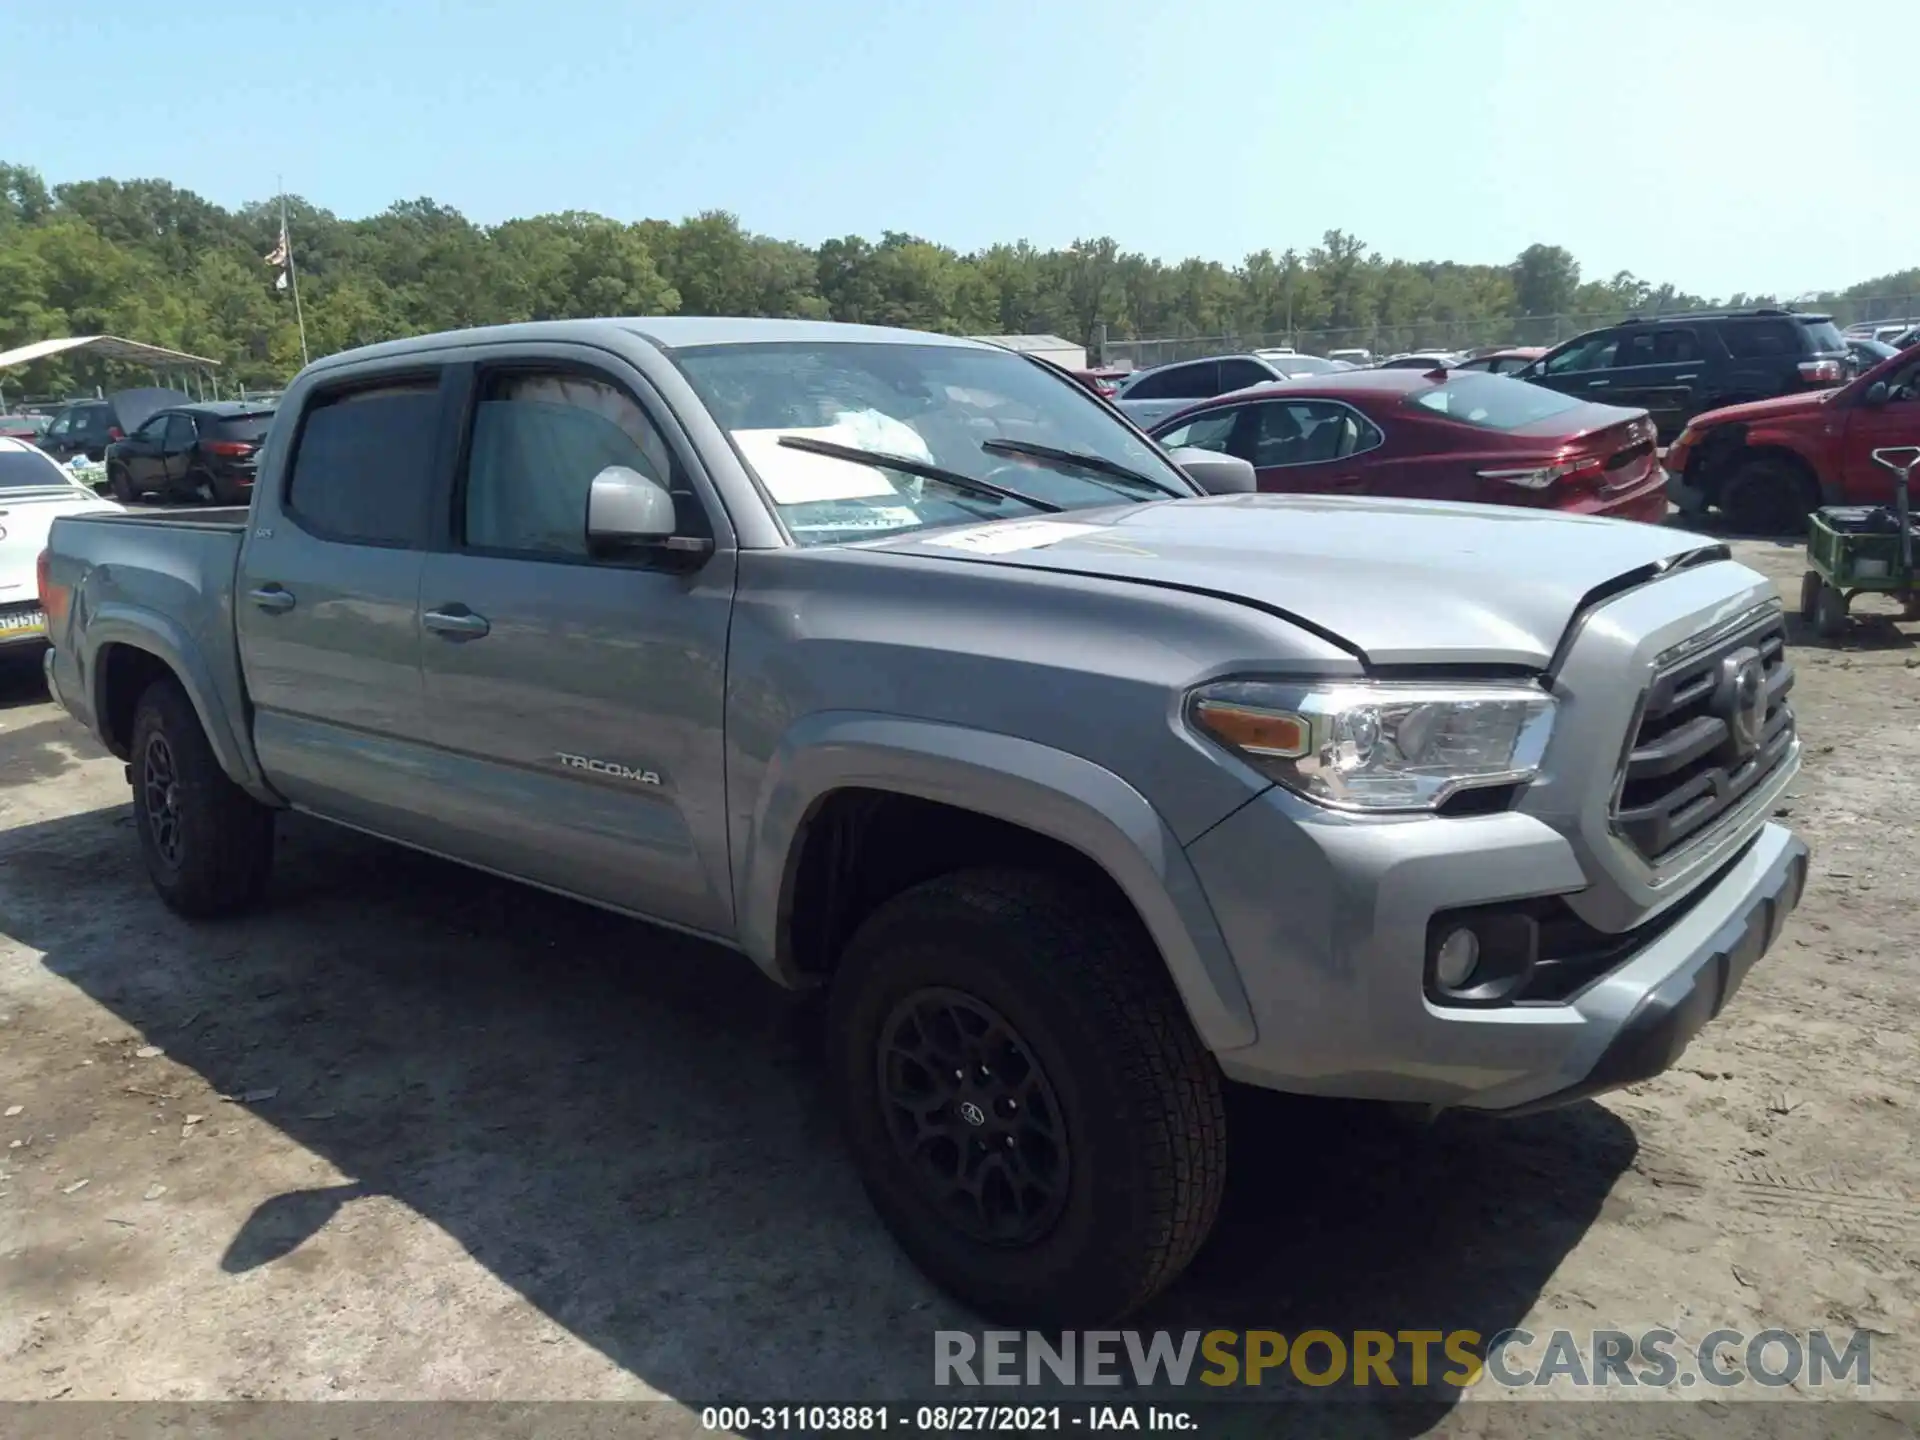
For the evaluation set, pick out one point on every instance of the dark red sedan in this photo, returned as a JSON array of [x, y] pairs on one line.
[[1435, 435]]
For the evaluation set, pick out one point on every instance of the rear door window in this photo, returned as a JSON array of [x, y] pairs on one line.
[[363, 467], [180, 432], [1238, 374], [1199, 381]]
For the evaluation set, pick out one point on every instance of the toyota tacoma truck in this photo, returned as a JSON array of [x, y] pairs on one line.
[[1085, 782]]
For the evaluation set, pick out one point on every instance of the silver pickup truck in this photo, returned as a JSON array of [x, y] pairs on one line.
[[1086, 781]]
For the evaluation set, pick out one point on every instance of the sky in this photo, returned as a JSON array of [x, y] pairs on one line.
[[1765, 146]]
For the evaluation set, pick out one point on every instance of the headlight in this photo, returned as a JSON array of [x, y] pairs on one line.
[[1378, 745]]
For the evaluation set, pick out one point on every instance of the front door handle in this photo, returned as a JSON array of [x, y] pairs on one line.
[[1686, 377], [1596, 384], [456, 624], [272, 599]]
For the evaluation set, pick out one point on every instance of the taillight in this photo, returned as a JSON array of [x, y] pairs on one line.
[[1822, 372], [1539, 477], [114, 432], [226, 447], [53, 598]]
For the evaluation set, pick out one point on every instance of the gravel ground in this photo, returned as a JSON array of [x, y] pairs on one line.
[[414, 1133]]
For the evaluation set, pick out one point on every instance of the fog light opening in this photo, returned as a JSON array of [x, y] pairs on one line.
[[1456, 958]]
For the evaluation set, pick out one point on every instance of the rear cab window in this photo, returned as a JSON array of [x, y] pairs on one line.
[[1493, 402], [363, 463]]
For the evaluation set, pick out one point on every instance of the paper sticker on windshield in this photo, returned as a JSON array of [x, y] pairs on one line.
[[1011, 536]]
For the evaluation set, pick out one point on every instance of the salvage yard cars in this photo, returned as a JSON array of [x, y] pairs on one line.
[[1083, 780]]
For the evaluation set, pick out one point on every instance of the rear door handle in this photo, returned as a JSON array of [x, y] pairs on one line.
[[456, 623], [1686, 377], [1596, 384], [272, 599]]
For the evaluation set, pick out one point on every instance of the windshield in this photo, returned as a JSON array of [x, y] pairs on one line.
[[935, 404], [30, 470], [1494, 402]]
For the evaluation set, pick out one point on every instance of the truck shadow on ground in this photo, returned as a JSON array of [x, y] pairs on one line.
[[628, 1128]]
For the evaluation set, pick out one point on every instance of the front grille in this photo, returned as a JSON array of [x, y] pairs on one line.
[[1706, 737]]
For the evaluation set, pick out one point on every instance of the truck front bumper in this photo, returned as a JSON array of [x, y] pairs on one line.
[[1327, 918]]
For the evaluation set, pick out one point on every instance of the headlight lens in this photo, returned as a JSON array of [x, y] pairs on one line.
[[1379, 746]]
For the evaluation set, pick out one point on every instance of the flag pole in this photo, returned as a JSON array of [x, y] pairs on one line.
[[293, 276]]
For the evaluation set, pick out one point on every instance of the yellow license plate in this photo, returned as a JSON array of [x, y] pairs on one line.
[[23, 623]]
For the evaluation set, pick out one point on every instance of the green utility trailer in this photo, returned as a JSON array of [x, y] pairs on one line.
[[1860, 550]]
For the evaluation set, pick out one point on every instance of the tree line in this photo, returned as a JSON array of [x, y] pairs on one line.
[[150, 261]]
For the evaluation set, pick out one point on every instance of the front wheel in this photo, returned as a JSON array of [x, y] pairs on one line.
[[208, 845], [1031, 1111], [1830, 613], [1769, 495]]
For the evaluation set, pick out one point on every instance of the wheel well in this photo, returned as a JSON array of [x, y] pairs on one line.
[[125, 673], [859, 848]]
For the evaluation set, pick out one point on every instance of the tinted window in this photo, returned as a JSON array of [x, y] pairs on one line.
[[1760, 339], [364, 464], [240, 427], [62, 425], [1592, 352], [1302, 364], [181, 432], [1657, 347], [1309, 432], [1493, 402], [538, 441], [1178, 382], [1238, 374], [29, 470], [1824, 337], [153, 432], [1210, 431]]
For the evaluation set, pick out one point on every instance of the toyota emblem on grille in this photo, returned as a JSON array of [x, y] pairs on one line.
[[1741, 700]]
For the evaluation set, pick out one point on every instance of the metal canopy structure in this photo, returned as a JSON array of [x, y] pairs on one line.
[[156, 358]]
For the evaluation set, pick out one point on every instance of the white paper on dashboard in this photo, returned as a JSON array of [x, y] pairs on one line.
[[794, 477]]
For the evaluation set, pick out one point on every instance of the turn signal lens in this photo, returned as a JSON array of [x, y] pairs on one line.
[[1266, 733]]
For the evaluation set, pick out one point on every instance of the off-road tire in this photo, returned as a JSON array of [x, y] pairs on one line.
[[1769, 496], [1830, 613], [221, 855], [1145, 1122]]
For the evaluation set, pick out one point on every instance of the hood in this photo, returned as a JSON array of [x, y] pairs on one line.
[[133, 408], [1402, 582], [1777, 407], [26, 515]]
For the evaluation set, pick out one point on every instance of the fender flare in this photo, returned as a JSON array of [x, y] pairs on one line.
[[164, 639], [1024, 783]]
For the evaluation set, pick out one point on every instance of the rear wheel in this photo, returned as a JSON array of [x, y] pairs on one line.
[[1769, 495], [121, 484], [207, 844], [1810, 585], [1031, 1112]]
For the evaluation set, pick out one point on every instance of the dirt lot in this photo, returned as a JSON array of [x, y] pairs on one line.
[[415, 1133]]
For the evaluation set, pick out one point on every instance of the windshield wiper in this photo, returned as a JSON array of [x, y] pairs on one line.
[[907, 466], [1099, 464]]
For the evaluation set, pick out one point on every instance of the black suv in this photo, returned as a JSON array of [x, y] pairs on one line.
[[1676, 366], [192, 452]]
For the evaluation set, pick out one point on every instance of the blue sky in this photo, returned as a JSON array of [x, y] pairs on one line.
[[1758, 146]]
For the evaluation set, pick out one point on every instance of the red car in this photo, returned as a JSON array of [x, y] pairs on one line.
[[1769, 462], [1435, 435]]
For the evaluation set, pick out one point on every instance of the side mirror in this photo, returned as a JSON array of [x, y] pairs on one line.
[[1876, 395], [628, 511], [1215, 473]]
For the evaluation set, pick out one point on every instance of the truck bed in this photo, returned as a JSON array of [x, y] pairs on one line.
[[195, 517]]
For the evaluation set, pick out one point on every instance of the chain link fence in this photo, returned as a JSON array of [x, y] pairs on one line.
[[1422, 336]]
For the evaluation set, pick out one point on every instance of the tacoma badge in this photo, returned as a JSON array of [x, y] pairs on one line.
[[610, 767]]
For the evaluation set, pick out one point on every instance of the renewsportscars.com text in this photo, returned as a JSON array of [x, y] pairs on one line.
[[1513, 1359]]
